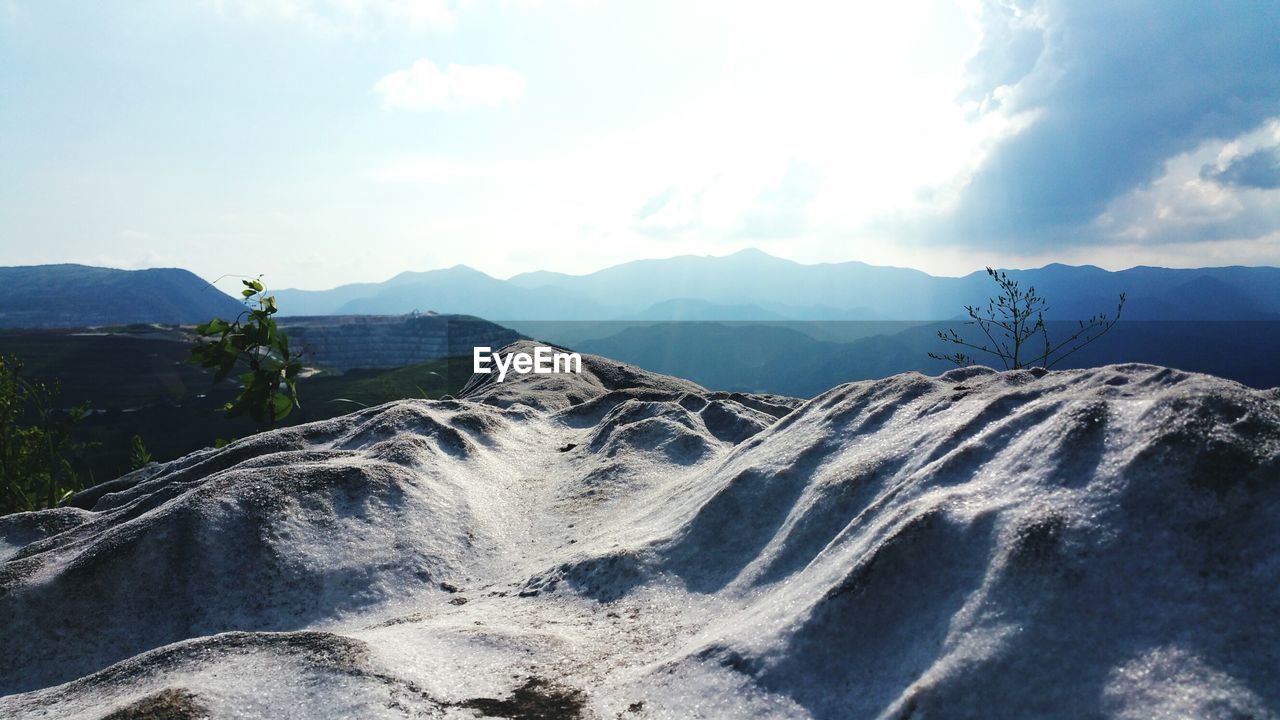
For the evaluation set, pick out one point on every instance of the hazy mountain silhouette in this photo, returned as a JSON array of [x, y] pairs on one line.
[[80, 295], [752, 285], [749, 285], [752, 277], [458, 289]]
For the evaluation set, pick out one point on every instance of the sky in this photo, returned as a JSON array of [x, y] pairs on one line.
[[319, 142]]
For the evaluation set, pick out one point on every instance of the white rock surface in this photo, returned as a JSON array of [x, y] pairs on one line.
[[1100, 543]]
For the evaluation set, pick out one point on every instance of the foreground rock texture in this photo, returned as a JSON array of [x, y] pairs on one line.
[[1100, 543]]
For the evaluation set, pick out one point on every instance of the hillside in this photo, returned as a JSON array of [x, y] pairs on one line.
[[43, 296], [137, 382], [345, 342], [1096, 543], [791, 358]]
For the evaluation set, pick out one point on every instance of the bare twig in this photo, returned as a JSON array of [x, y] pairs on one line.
[[1011, 312]]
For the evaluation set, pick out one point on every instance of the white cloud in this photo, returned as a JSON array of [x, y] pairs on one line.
[[806, 137], [423, 86], [1185, 204], [1107, 126], [339, 15]]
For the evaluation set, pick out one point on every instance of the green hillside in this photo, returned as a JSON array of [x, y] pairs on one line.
[[137, 382]]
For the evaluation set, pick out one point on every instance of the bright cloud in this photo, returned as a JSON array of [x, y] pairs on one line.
[[423, 86], [827, 117], [339, 14], [1218, 191]]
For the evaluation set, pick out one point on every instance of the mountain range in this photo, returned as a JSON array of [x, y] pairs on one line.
[[748, 285], [752, 285], [743, 322]]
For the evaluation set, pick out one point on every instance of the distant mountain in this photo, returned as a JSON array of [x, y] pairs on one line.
[[458, 289], [752, 285], [857, 291], [751, 277], [746, 286], [43, 296]]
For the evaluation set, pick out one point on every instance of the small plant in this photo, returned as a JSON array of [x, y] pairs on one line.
[[139, 456], [1015, 332], [253, 343], [35, 443]]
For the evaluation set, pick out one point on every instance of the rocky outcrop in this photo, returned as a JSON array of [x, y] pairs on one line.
[[1098, 543]]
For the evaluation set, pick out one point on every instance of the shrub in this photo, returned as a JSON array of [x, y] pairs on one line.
[[1011, 323], [35, 442], [254, 344], [139, 455]]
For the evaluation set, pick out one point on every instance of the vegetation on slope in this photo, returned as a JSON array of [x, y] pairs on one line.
[[137, 382]]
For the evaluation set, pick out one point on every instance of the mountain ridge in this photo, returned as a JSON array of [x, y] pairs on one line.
[[74, 295], [748, 285], [785, 289]]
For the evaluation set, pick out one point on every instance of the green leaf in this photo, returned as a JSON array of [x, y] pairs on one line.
[[282, 405], [213, 327]]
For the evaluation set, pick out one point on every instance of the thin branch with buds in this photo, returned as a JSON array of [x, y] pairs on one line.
[[1012, 320]]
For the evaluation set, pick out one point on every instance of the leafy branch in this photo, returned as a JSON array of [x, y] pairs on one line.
[[254, 344]]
